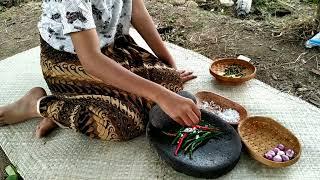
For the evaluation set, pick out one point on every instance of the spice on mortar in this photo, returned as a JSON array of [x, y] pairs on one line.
[[234, 70], [230, 115]]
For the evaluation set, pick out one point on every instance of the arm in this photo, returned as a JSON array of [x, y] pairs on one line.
[[142, 22], [86, 43], [109, 71]]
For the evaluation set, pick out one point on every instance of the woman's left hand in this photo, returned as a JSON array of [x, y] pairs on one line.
[[186, 75]]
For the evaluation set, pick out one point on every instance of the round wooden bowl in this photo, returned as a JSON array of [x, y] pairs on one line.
[[218, 67], [223, 102], [261, 134]]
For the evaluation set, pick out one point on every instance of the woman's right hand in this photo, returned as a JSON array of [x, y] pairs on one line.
[[182, 110]]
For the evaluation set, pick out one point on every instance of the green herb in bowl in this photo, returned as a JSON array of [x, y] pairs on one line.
[[234, 70]]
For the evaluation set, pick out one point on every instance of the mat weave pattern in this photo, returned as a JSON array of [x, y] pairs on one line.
[[69, 155]]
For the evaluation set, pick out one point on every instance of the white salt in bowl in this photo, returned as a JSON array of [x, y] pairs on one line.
[[224, 103]]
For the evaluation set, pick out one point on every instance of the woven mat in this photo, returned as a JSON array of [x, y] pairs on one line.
[[69, 155]]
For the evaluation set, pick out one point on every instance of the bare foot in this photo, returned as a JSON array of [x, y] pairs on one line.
[[23, 109], [45, 127]]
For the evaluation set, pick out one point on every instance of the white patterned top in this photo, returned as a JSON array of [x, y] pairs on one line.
[[62, 17]]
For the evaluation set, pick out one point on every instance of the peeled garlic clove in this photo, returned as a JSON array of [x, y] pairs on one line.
[[290, 153], [272, 153], [276, 150], [277, 158], [281, 153], [285, 158], [281, 147]]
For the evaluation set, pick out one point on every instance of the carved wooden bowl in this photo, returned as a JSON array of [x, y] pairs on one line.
[[217, 69], [223, 102]]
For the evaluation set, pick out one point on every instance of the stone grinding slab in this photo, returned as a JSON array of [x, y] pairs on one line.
[[215, 158]]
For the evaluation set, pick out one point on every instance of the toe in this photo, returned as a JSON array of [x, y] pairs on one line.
[[1, 112], [39, 133], [37, 91], [45, 127], [2, 120]]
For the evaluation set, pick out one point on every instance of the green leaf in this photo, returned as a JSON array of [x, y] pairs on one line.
[[10, 170], [12, 177]]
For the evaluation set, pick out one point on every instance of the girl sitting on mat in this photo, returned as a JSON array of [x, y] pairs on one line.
[[102, 83]]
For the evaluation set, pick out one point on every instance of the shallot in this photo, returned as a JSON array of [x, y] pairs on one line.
[[272, 153], [281, 147], [276, 150], [268, 156], [280, 153], [277, 158], [290, 153], [285, 158]]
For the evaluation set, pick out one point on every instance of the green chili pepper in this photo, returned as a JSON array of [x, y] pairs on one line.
[[175, 140], [186, 144], [196, 145], [189, 143], [191, 135], [201, 138], [193, 148], [178, 135], [203, 141]]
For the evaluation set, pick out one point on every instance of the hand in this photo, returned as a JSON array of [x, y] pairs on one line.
[[186, 75], [182, 110]]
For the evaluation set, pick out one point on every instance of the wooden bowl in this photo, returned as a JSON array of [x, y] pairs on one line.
[[261, 134], [223, 102], [218, 67]]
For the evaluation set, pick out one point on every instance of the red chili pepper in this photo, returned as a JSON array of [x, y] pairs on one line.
[[180, 141], [204, 128]]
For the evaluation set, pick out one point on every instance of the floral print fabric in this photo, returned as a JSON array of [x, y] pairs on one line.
[[59, 18]]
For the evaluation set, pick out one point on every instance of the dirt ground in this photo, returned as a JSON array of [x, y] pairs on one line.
[[275, 44], [273, 36], [18, 29]]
